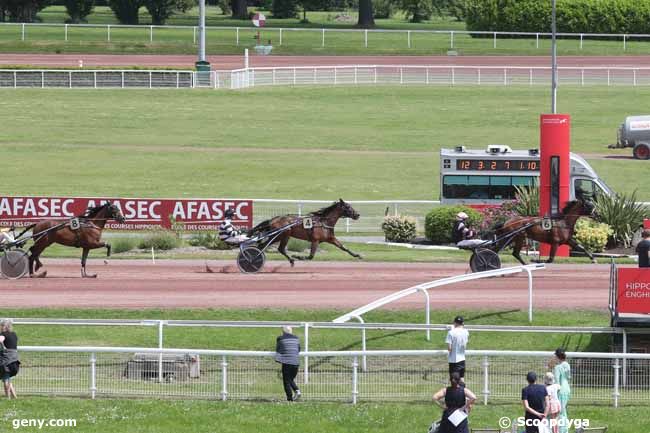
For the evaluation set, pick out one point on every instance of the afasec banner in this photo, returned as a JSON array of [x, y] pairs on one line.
[[634, 290], [140, 213]]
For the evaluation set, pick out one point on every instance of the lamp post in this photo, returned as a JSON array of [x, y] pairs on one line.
[[202, 65], [553, 60]]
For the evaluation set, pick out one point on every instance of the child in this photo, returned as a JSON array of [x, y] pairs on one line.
[[552, 389]]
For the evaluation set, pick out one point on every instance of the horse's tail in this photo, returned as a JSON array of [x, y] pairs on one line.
[[264, 226]]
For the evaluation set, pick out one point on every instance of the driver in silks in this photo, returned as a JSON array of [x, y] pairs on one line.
[[462, 234], [228, 232]]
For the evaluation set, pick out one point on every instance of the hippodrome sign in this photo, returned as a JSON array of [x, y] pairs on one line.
[[633, 290], [140, 213]]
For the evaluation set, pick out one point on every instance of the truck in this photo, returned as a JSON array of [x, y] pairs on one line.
[[634, 133]]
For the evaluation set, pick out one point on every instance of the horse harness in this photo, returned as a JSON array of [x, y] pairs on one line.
[[312, 222]]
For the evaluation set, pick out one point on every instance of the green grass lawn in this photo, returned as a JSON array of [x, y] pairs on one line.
[[359, 143], [319, 339], [220, 40], [155, 416]]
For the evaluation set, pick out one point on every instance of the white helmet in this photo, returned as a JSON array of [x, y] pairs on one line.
[[461, 216]]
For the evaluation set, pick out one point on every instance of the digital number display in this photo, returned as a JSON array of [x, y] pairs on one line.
[[496, 165]]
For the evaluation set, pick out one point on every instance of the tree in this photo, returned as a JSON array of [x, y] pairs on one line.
[[126, 11], [284, 8], [78, 10], [239, 9], [417, 10], [366, 16], [308, 5], [22, 11], [161, 10]]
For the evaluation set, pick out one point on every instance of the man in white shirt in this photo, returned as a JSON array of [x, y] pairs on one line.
[[456, 340]]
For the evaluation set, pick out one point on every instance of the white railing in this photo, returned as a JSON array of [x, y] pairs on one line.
[[95, 79], [434, 75], [312, 37], [405, 375]]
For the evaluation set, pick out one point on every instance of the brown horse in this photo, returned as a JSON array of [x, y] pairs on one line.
[[322, 228], [561, 232], [86, 236]]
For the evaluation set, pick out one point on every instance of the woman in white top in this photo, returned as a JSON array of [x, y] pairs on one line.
[[555, 407]]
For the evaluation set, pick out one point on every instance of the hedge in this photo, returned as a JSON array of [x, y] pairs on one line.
[[573, 16], [439, 222]]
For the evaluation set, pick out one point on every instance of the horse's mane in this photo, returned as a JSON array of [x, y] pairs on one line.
[[92, 211], [570, 205], [324, 211]]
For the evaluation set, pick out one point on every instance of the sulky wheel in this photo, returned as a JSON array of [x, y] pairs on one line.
[[250, 260], [14, 264], [484, 259]]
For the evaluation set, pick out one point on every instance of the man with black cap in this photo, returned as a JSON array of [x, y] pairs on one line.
[[535, 399], [456, 340]]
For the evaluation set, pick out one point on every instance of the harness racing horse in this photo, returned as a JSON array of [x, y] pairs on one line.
[[561, 232], [320, 230], [86, 236]]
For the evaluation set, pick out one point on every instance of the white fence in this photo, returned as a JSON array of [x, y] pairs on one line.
[[96, 79], [408, 375], [433, 75], [312, 37]]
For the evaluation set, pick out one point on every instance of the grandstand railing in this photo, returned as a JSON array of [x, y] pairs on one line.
[[432, 75], [403, 375], [320, 37]]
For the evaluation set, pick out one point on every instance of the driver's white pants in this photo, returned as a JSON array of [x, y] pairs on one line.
[[6, 238], [236, 240]]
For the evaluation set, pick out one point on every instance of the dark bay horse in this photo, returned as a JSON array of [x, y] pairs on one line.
[[87, 236], [322, 230], [561, 232]]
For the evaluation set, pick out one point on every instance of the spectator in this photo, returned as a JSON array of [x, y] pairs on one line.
[[562, 373], [287, 349], [456, 340], [9, 361], [535, 400], [461, 230], [457, 397], [552, 389], [643, 250]]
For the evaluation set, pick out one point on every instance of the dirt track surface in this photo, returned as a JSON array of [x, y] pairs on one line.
[[234, 62], [186, 283]]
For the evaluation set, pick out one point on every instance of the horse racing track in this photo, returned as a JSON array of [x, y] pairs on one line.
[[339, 285]]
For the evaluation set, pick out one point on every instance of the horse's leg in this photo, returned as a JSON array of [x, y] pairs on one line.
[[516, 249], [34, 259], [282, 248], [340, 246], [312, 251], [84, 257], [576, 246], [551, 254], [108, 249]]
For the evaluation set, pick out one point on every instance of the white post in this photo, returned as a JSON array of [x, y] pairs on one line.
[[93, 375], [530, 295], [294, 76], [494, 44], [70, 79], [624, 360], [273, 77], [365, 36], [427, 312], [305, 369], [451, 39], [401, 75], [280, 37], [617, 394], [355, 75], [608, 77], [246, 59], [150, 79], [479, 76], [42, 79], [178, 79], [582, 77], [95, 79], [335, 75], [453, 76], [224, 378], [375, 74], [355, 391], [486, 380], [315, 76], [347, 225], [505, 77], [536, 40], [15, 80], [427, 76], [108, 33], [66, 33], [408, 37], [624, 43], [581, 37], [160, 355], [322, 44], [634, 83], [194, 35], [237, 36], [23, 32], [530, 77], [150, 33]]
